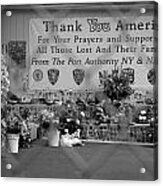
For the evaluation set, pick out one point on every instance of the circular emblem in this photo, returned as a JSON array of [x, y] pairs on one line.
[[151, 76], [37, 75]]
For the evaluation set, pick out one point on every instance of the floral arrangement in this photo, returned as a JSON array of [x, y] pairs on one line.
[[63, 116], [13, 128], [11, 122], [117, 85], [48, 119]]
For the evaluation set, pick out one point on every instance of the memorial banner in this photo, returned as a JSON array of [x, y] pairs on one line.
[[79, 91], [71, 53]]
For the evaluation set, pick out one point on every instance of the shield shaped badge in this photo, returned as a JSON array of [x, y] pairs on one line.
[[53, 75], [130, 72], [151, 76], [78, 75]]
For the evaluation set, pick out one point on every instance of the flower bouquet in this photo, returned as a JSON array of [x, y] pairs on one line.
[[13, 130], [50, 123]]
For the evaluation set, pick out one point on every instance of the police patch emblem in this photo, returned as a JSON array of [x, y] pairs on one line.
[[53, 75], [78, 76], [37, 75], [151, 76], [131, 74]]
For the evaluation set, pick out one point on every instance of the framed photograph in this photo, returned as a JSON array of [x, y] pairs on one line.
[[79, 91]]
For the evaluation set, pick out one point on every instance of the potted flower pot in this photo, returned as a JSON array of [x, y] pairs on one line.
[[53, 134], [13, 142], [12, 136]]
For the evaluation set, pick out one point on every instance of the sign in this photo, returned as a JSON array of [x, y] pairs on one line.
[[70, 52]]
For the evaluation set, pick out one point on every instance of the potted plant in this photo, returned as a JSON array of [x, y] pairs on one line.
[[50, 123], [12, 133], [117, 87]]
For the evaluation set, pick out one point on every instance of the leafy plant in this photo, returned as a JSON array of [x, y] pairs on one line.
[[5, 82], [117, 85]]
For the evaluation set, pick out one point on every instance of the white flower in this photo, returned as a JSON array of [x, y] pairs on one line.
[[82, 114], [143, 112], [78, 121], [68, 119]]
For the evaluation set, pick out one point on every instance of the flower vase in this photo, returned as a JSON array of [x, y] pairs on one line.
[[53, 135], [13, 143]]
